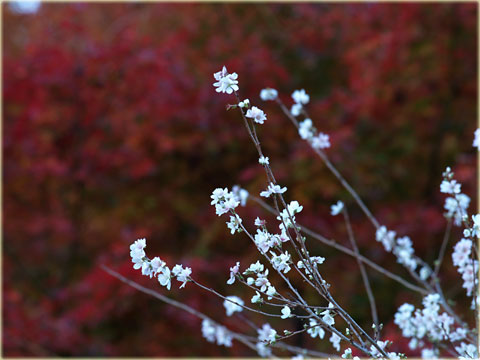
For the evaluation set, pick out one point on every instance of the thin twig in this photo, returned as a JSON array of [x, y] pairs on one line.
[[366, 282]]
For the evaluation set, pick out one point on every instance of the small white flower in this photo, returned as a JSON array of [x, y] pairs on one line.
[[314, 330], [259, 222], [286, 312], [296, 109], [305, 129], [281, 262], [234, 305], [335, 340], [254, 268], [234, 224], [181, 274], [233, 271], [226, 83], [256, 114], [164, 277], [450, 187], [273, 189], [271, 292], [424, 273], [244, 103], [347, 354], [268, 94], [476, 141], [336, 208], [257, 298], [321, 141], [263, 160], [476, 225], [327, 318], [266, 333], [240, 194], [300, 97]]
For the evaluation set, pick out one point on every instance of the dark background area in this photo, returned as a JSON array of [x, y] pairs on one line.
[[112, 131]]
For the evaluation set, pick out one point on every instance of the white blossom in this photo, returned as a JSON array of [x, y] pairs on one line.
[[164, 277], [254, 268], [233, 307], [240, 194], [286, 312], [263, 349], [467, 351], [216, 333], [226, 83], [182, 274], [271, 291], [315, 330], [273, 189], [336, 208], [233, 271], [335, 340], [224, 201], [296, 109], [386, 237], [244, 103], [305, 129], [457, 207], [266, 333], [268, 94], [424, 273], [300, 97], [263, 160], [281, 262], [476, 140], [347, 354], [256, 114], [404, 251], [234, 224], [259, 222], [257, 298], [321, 141], [461, 253], [450, 187]]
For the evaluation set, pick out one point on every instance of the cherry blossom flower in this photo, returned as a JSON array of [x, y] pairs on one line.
[[321, 141], [256, 114], [164, 277], [268, 94], [233, 272], [476, 140], [233, 307], [286, 312], [226, 83], [263, 160], [300, 97], [336, 208]]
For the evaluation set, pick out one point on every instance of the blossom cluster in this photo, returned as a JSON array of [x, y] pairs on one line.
[[401, 247], [226, 83], [427, 323], [216, 333], [157, 267], [308, 132], [466, 266], [457, 203]]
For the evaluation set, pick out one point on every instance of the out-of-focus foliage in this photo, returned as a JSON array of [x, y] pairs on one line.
[[112, 131]]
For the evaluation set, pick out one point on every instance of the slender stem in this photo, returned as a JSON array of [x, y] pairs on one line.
[[366, 282], [441, 254]]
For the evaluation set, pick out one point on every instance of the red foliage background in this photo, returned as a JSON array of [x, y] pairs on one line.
[[112, 131]]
